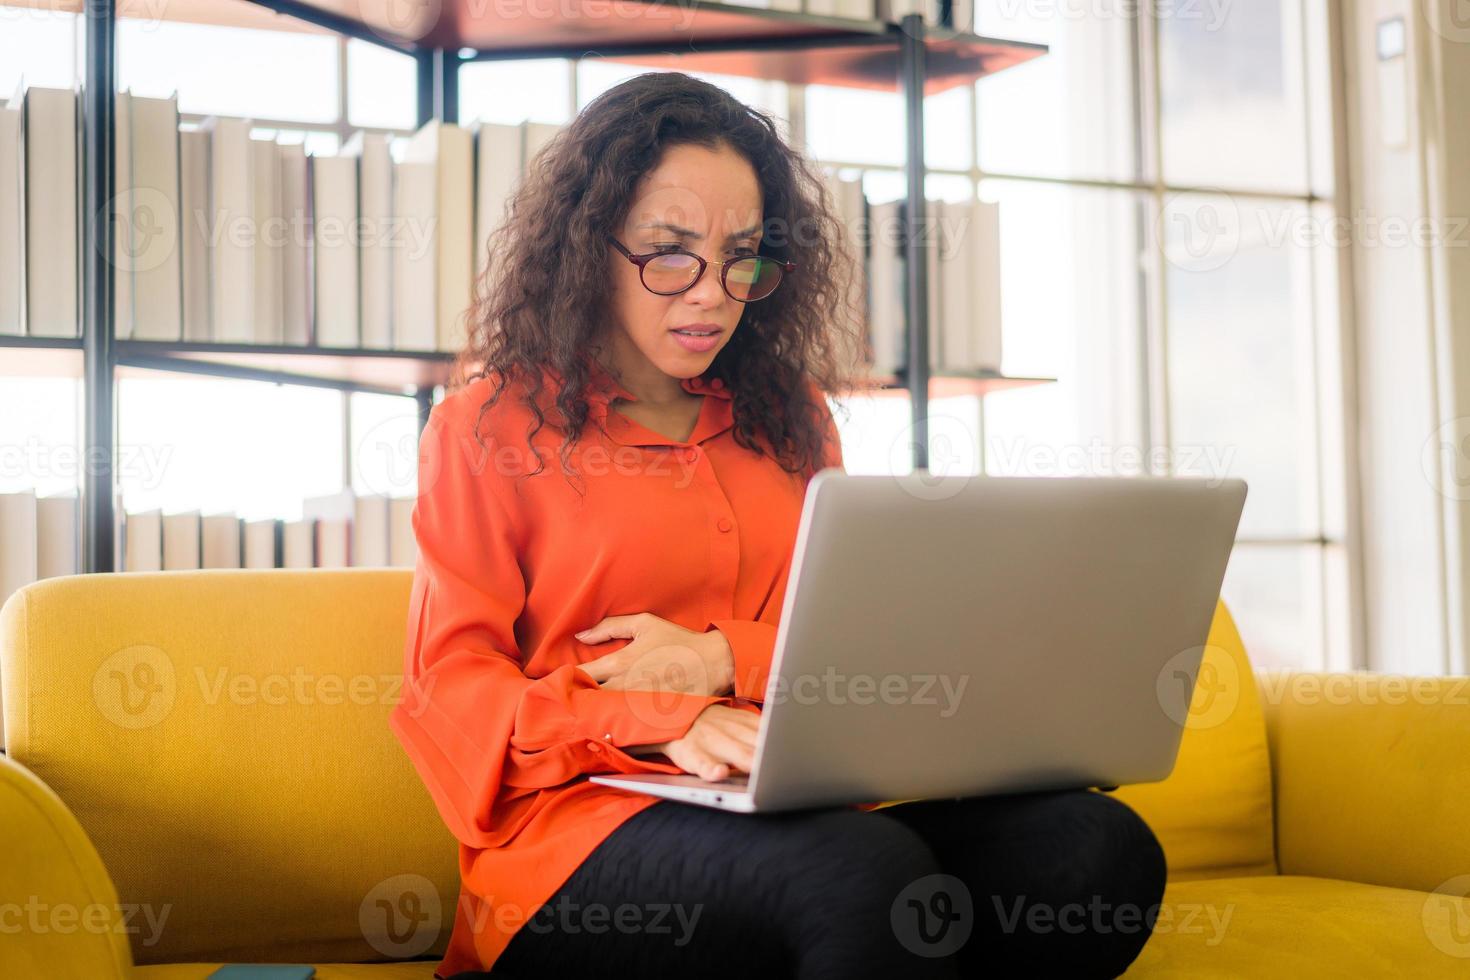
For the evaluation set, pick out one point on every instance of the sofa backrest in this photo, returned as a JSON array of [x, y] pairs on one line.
[[1213, 814], [222, 736]]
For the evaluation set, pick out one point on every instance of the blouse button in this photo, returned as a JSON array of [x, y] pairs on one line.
[[595, 746], [724, 524], [691, 454], [717, 383]]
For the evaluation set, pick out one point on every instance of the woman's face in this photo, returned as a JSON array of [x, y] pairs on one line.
[[706, 201]]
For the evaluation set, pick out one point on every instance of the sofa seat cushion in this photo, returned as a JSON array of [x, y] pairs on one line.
[[1297, 927], [413, 970], [222, 737]]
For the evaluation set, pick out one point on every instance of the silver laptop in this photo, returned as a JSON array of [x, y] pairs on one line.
[[960, 636]]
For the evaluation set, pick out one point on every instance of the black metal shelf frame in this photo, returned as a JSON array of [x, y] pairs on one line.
[[438, 85]]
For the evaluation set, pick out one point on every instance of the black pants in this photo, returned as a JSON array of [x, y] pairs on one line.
[[1048, 884]]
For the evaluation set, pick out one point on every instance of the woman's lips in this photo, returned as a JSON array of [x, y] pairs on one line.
[[697, 344]]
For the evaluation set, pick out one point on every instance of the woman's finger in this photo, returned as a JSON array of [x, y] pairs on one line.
[[729, 748], [605, 667], [743, 724], [695, 759]]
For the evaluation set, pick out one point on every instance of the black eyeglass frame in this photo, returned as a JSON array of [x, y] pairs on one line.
[[642, 259]]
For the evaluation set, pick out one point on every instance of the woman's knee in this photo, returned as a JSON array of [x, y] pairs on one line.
[[857, 869], [1089, 888]]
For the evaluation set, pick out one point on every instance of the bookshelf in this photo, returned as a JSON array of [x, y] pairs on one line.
[[907, 57]]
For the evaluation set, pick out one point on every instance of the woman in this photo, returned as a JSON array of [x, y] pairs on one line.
[[607, 505]]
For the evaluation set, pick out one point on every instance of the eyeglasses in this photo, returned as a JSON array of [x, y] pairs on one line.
[[670, 271]]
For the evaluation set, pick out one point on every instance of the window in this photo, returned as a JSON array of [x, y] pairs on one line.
[[231, 72], [247, 447], [37, 45], [1160, 280], [1187, 317], [382, 87], [542, 91]]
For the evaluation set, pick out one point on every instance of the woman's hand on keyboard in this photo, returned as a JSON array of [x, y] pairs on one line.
[[720, 741]]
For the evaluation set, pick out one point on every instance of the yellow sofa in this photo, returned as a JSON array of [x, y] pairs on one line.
[[200, 771]]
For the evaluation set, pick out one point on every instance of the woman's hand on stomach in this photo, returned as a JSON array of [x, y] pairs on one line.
[[662, 656]]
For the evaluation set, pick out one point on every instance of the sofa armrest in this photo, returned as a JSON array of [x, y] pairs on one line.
[[1371, 774], [59, 914]]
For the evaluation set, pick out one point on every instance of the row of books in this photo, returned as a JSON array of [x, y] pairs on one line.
[[963, 11], [961, 241], [40, 537], [226, 238], [360, 250], [340, 530]]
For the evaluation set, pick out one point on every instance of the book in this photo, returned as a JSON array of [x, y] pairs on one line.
[[971, 287], [58, 535], [330, 517], [194, 234], [50, 128], [270, 233], [537, 136], [335, 292], [231, 230], [499, 157], [371, 527], [181, 541], [219, 541], [12, 224], [296, 253], [851, 210], [298, 544], [262, 546], [886, 317], [375, 244], [415, 258], [153, 261], [403, 547], [983, 243], [927, 228], [18, 559], [448, 149], [143, 541], [333, 543], [125, 235]]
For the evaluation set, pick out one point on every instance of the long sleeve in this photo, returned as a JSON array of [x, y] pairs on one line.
[[479, 730], [753, 642]]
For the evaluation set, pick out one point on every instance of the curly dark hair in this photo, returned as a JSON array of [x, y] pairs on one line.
[[544, 296]]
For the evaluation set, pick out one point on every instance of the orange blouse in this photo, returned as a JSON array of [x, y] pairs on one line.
[[497, 718]]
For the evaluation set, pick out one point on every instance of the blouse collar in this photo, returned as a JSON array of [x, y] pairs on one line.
[[605, 388], [716, 413]]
